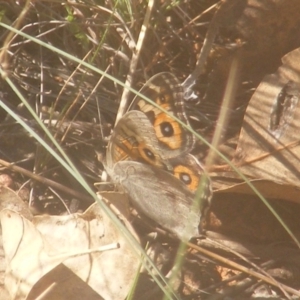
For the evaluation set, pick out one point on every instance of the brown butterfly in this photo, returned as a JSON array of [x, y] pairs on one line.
[[153, 167]]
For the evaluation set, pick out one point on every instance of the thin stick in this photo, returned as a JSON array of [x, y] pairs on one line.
[[134, 60], [46, 181], [244, 269]]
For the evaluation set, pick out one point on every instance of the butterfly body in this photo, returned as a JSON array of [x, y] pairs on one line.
[[147, 156]]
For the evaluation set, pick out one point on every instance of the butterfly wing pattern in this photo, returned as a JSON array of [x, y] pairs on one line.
[[155, 168]]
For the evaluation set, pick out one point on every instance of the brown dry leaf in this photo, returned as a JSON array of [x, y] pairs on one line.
[[36, 248], [268, 188], [268, 146], [3, 292], [10, 200]]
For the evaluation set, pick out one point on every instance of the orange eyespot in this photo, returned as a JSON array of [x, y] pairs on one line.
[[168, 131], [146, 155], [187, 176], [149, 154]]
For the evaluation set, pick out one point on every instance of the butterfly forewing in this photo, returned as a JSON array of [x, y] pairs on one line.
[[134, 139], [166, 91]]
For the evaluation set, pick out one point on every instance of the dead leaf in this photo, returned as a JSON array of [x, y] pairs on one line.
[[10, 200], [269, 145], [34, 249]]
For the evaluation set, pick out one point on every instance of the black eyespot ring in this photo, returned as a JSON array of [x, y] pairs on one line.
[[167, 129]]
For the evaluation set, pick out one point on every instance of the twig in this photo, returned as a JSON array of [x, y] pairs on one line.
[[134, 60], [46, 181], [246, 270]]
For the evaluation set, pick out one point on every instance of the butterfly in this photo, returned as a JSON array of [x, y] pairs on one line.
[[148, 156]]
